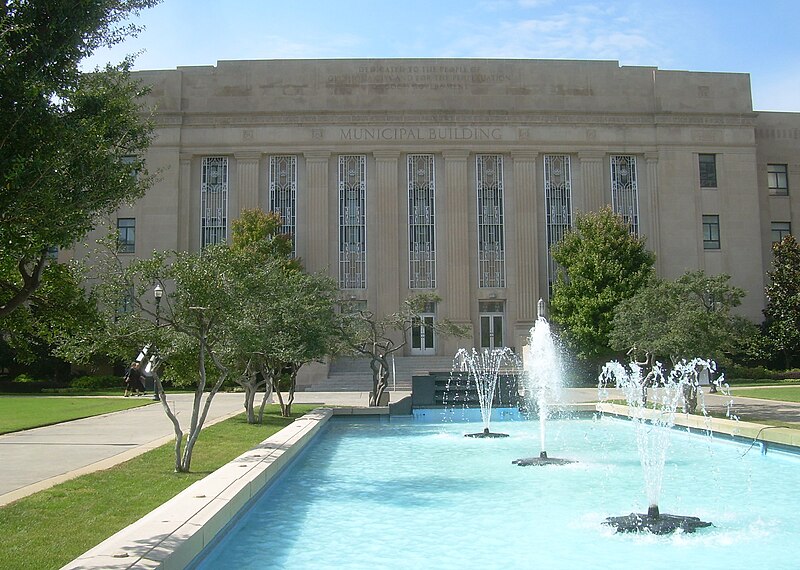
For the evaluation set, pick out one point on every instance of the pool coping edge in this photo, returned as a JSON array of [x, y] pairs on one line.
[[173, 534]]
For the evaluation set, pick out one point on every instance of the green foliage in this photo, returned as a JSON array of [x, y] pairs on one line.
[[690, 317], [601, 264], [94, 383], [782, 326], [63, 133], [24, 379]]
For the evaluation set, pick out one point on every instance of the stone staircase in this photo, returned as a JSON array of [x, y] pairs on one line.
[[355, 375]]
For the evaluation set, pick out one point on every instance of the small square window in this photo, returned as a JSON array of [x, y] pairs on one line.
[[780, 230], [126, 235], [708, 170], [711, 232], [778, 179]]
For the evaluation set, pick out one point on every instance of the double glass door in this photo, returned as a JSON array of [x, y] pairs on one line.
[[422, 337]]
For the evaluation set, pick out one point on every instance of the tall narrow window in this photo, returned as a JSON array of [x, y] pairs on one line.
[[558, 206], [624, 190], [283, 193], [708, 170], [421, 222], [213, 200], [491, 241], [778, 179], [711, 232], [780, 230], [352, 221], [126, 235]]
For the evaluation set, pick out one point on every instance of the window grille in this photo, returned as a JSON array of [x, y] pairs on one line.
[[780, 230], [711, 238], [558, 207], [708, 170], [352, 221], [421, 222], [126, 235], [491, 241], [283, 193], [778, 179], [624, 191], [213, 201]]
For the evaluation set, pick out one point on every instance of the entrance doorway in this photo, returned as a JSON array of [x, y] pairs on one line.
[[422, 335], [492, 324]]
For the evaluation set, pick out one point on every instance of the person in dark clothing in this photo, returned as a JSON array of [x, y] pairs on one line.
[[133, 380]]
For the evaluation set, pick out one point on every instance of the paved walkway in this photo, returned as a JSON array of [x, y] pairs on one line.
[[39, 458]]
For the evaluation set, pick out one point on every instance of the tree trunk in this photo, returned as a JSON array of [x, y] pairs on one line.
[[380, 378], [176, 424]]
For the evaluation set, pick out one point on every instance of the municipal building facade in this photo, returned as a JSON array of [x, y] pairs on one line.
[[457, 176]]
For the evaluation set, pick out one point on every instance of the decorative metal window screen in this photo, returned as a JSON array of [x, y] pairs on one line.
[[213, 200], [421, 222], [283, 193], [558, 206], [352, 221], [491, 241], [624, 190]]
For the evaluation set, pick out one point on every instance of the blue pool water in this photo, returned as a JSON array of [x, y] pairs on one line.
[[405, 494]]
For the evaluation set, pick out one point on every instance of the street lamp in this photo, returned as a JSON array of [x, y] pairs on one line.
[[158, 292]]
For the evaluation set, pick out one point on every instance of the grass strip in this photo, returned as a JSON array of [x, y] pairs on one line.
[[26, 412], [52, 527], [781, 393]]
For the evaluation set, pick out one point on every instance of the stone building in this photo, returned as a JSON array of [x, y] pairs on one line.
[[456, 175]]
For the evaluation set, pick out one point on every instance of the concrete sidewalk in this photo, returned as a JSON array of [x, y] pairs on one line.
[[39, 458]]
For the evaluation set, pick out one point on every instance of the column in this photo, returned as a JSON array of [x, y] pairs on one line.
[[594, 194], [526, 223], [383, 269], [653, 236], [316, 225], [185, 219], [455, 226], [247, 180]]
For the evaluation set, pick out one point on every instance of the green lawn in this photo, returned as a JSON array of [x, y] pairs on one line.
[[25, 412], [783, 393], [50, 528]]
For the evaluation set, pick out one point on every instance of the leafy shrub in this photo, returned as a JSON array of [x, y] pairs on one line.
[[24, 379], [97, 382]]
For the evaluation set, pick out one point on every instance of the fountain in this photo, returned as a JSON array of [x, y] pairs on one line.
[[484, 368], [653, 426], [543, 377]]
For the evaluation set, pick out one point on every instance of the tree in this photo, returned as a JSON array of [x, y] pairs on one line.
[[688, 318], [601, 264], [379, 338], [70, 142], [286, 318], [783, 301], [187, 333]]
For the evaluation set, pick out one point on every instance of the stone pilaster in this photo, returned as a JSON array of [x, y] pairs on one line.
[[185, 218], [455, 233], [317, 238], [594, 194], [526, 222], [247, 179], [654, 235], [384, 271]]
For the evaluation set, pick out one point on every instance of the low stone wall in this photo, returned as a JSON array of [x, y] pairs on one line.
[[172, 535]]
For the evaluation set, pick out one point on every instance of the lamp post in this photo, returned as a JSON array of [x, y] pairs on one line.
[[158, 292]]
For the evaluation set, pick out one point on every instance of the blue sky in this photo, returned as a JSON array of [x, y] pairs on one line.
[[760, 37]]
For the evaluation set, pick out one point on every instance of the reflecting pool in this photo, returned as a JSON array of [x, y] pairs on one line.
[[406, 494]]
